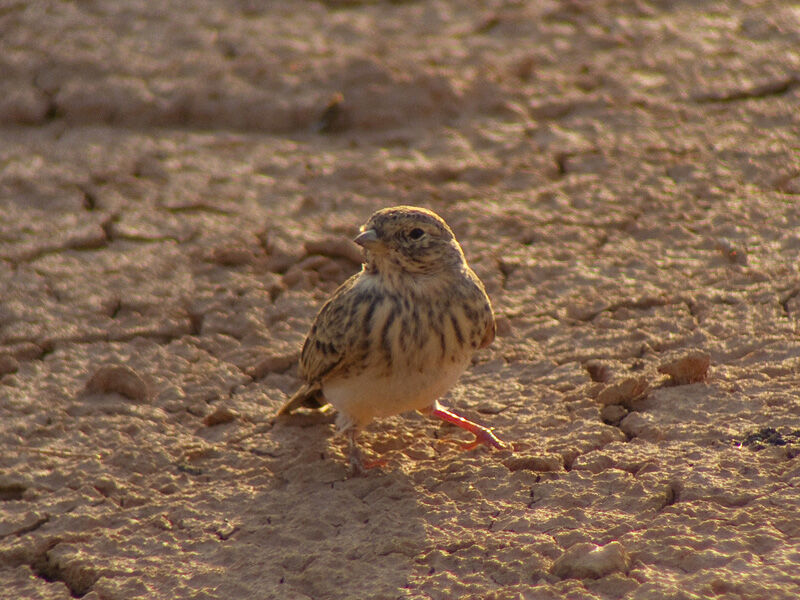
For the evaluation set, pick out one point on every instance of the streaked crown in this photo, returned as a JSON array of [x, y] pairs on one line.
[[411, 239]]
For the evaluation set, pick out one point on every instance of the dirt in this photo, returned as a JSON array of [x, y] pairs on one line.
[[178, 183]]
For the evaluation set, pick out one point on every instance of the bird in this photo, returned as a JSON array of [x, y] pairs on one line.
[[397, 335]]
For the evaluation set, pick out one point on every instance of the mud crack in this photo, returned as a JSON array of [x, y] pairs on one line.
[[52, 565]]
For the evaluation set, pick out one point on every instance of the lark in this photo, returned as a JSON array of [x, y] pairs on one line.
[[397, 335]]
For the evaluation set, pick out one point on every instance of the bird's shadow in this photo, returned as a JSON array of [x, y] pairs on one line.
[[307, 440], [321, 532]]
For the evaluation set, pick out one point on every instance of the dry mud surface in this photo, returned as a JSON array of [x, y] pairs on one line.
[[177, 186]]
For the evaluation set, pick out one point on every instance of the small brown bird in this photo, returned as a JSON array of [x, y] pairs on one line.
[[398, 334]]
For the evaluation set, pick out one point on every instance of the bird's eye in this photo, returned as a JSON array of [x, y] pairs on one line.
[[415, 233]]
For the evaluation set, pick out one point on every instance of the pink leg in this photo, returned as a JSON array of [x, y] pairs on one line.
[[483, 435]]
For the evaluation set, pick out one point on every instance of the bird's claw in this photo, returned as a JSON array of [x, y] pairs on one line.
[[359, 466], [488, 438]]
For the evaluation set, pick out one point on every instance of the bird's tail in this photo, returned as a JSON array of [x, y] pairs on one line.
[[308, 396]]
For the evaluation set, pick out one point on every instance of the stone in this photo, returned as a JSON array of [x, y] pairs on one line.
[[585, 560]]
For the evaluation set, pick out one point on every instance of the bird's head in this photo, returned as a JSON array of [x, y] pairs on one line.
[[411, 240]]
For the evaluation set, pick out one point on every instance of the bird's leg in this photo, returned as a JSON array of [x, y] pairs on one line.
[[354, 453], [483, 435], [358, 466]]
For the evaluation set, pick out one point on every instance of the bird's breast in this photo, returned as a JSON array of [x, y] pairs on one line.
[[415, 348], [371, 394], [412, 335]]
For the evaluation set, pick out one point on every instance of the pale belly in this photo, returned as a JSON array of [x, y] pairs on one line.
[[362, 398]]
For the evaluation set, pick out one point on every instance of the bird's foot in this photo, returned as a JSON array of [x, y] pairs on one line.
[[486, 437], [359, 466], [483, 435]]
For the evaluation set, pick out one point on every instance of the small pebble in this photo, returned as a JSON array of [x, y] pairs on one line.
[[335, 247], [8, 364], [588, 561], [232, 256], [598, 370], [276, 363], [223, 414], [118, 379], [624, 392], [689, 368], [536, 462], [613, 414]]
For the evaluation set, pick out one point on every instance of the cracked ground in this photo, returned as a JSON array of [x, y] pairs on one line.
[[177, 187]]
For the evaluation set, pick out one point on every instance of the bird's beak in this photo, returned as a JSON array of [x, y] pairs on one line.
[[368, 239]]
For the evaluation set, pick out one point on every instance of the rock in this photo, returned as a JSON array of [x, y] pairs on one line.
[[640, 425], [118, 379], [223, 414], [613, 413], [589, 561], [11, 488], [279, 260], [225, 529], [307, 270], [22, 104], [586, 310], [624, 392], [276, 363], [335, 247], [541, 462], [232, 256], [598, 370], [689, 368], [490, 407], [768, 436], [8, 364], [25, 351]]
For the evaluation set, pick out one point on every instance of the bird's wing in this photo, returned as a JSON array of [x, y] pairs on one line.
[[335, 342], [482, 300], [329, 345]]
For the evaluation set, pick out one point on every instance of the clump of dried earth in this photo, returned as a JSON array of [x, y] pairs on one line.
[[178, 183]]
